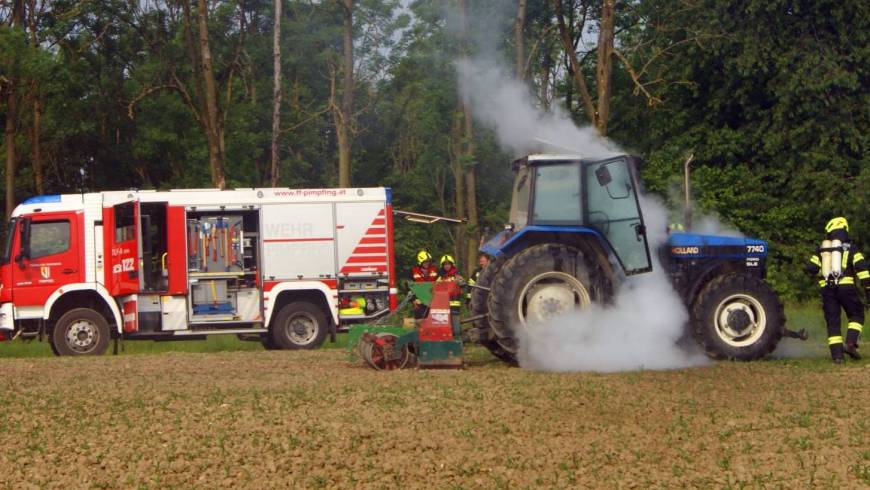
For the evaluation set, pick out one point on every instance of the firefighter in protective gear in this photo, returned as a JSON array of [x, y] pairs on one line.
[[482, 262], [424, 271], [354, 306], [840, 268], [449, 272]]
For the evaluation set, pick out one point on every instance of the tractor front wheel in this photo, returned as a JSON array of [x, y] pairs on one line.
[[737, 316], [540, 284]]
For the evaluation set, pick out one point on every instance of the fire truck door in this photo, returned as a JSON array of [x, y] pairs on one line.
[[123, 248], [47, 256]]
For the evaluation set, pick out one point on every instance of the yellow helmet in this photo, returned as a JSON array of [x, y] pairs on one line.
[[423, 256], [836, 224], [447, 258]]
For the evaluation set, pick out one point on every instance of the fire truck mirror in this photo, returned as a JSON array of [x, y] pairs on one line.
[[24, 241]]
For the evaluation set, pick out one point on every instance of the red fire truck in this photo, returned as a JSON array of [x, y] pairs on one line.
[[285, 266]]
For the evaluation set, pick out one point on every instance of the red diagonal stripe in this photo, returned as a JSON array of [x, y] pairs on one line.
[[370, 250]]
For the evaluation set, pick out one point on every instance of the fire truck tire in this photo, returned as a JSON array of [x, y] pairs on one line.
[[738, 317], [539, 284], [267, 342], [80, 332], [299, 325], [479, 299]]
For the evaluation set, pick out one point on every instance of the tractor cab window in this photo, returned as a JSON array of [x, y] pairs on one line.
[[613, 209], [557, 195], [48, 238], [520, 204], [7, 245]]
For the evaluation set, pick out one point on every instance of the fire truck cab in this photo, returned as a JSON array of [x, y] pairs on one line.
[[283, 266]]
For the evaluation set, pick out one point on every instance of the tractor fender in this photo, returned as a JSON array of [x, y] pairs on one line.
[[508, 244]]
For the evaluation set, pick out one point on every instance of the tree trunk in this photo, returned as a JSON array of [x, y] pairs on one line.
[[519, 40], [36, 130], [605, 63], [212, 119], [36, 146], [9, 141], [11, 129], [458, 181], [546, 67], [276, 95], [471, 232], [568, 46], [344, 120]]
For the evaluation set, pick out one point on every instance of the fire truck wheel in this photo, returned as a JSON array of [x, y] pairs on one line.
[[539, 284], [738, 316], [80, 332], [299, 325], [268, 343]]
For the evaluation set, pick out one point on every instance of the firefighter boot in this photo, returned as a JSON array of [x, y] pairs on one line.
[[836, 351], [852, 341], [852, 350]]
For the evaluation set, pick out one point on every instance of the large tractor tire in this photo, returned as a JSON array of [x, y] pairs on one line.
[[540, 284], [737, 316], [479, 300]]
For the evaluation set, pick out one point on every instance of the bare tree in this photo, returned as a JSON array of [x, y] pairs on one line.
[[37, 103], [343, 112], [276, 95], [16, 20], [212, 119], [519, 40], [467, 240], [605, 65]]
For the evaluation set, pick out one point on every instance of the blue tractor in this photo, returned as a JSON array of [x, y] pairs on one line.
[[576, 232]]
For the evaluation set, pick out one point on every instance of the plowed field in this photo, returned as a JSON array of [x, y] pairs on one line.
[[311, 419]]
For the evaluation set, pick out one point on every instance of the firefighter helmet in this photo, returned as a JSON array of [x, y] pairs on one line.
[[836, 224], [447, 258], [423, 256]]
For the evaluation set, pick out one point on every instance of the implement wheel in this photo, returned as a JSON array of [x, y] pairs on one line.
[[540, 284], [379, 352], [738, 316]]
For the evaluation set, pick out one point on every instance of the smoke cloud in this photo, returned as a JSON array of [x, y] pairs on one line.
[[504, 104], [643, 329], [643, 326]]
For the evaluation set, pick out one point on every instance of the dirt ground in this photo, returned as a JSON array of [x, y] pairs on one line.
[[311, 419]]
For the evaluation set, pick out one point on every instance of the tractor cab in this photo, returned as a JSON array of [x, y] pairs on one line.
[[567, 194]]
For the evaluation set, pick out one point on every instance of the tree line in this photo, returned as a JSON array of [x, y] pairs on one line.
[[771, 99]]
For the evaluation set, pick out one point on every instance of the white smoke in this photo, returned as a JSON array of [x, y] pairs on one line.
[[641, 329], [503, 103]]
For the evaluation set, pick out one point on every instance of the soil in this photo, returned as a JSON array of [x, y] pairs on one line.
[[283, 419]]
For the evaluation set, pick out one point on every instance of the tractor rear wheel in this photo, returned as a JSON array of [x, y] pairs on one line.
[[737, 316], [540, 284], [479, 300]]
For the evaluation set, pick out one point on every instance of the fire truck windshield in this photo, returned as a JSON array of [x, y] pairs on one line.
[[7, 245]]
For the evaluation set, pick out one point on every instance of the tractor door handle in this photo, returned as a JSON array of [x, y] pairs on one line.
[[69, 271], [639, 231]]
